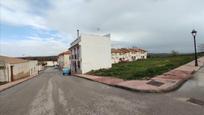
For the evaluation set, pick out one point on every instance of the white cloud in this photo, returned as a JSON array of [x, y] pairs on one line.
[[33, 46], [157, 25], [128, 19], [16, 13]]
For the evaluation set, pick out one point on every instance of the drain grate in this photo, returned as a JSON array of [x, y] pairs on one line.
[[196, 101], [155, 83]]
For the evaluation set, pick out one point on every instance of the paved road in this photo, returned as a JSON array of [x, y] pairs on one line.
[[52, 94]]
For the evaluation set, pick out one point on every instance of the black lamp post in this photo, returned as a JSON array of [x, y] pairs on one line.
[[194, 32]]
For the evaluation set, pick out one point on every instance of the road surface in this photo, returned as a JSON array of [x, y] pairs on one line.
[[52, 94]]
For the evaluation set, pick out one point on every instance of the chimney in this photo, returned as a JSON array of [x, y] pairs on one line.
[[77, 33]]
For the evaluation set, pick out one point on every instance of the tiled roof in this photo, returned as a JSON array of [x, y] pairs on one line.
[[126, 50], [63, 53], [11, 60]]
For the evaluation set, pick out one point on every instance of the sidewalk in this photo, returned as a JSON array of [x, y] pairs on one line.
[[11, 84], [162, 83]]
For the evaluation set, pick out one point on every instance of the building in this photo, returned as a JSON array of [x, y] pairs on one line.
[[63, 60], [90, 52], [43, 61], [50, 63], [33, 67], [127, 54], [13, 68]]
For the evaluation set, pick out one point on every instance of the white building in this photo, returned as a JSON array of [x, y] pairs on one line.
[[63, 60], [13, 69], [90, 52], [34, 67], [127, 54], [51, 63]]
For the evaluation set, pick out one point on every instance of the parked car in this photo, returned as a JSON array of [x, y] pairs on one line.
[[66, 71]]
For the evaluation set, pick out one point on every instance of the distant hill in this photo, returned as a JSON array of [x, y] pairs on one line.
[[40, 58], [169, 54]]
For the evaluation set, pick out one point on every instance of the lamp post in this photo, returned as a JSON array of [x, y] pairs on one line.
[[194, 32]]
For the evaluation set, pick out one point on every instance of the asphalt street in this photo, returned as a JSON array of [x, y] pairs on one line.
[[50, 93]]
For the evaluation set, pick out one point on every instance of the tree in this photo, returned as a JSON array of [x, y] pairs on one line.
[[174, 53]]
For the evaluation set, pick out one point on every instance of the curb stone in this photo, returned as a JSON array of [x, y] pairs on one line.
[[173, 87], [10, 86]]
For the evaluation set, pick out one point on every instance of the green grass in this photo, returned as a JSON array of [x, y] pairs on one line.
[[2, 83], [143, 69]]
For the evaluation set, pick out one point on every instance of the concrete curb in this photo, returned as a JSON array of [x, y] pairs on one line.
[[172, 87], [93, 80], [179, 84], [14, 83]]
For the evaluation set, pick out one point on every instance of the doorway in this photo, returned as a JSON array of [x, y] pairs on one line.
[[12, 79]]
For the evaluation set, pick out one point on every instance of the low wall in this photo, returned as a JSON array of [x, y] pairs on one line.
[[4, 72], [33, 68], [2, 75], [21, 70]]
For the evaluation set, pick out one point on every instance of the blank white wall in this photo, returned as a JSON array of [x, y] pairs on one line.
[[95, 52]]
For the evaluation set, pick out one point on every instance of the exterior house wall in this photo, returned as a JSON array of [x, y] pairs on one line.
[[51, 63], [95, 53], [90, 52], [66, 61], [20, 70], [63, 60], [33, 68], [26, 69], [2, 72], [55, 63], [128, 55], [5, 72], [2, 75], [60, 61], [41, 67], [76, 58]]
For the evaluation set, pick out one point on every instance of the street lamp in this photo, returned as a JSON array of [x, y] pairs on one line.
[[194, 32]]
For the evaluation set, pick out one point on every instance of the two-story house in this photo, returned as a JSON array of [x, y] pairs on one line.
[[64, 59], [90, 52]]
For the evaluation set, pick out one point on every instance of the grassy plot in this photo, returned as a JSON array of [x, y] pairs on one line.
[[143, 69]]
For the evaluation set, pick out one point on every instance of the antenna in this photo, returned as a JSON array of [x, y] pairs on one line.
[[77, 33]]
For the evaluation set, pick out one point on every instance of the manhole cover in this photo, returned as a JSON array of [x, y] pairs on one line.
[[155, 83], [196, 101]]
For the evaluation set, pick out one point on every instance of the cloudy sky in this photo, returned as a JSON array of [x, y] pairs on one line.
[[46, 27]]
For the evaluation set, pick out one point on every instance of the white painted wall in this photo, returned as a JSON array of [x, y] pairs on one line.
[[51, 63], [40, 67], [60, 61], [66, 61], [33, 65], [128, 56], [95, 52], [5, 72], [20, 70]]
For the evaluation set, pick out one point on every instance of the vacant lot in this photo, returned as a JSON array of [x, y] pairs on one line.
[[143, 69]]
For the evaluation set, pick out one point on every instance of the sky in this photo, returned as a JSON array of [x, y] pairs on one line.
[[47, 27]]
